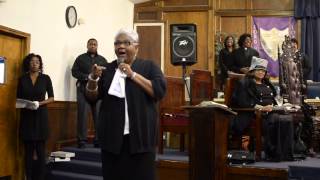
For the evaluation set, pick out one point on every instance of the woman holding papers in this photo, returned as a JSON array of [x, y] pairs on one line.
[[33, 85], [129, 88]]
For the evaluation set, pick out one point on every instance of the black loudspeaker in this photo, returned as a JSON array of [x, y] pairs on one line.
[[183, 44]]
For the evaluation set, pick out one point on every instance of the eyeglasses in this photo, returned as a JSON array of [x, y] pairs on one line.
[[125, 43]]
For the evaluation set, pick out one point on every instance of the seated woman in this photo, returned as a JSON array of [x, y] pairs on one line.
[[256, 91]]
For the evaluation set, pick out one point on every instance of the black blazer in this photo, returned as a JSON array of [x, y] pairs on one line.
[[245, 95], [142, 109]]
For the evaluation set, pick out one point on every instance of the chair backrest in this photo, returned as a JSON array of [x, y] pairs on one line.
[[174, 97], [230, 84], [291, 80], [201, 86]]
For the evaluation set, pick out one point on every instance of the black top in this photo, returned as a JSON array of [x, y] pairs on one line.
[[242, 58], [83, 64], [225, 63], [265, 95], [247, 93], [142, 109], [34, 123], [306, 66]]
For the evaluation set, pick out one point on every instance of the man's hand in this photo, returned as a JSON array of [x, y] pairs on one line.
[[97, 71]]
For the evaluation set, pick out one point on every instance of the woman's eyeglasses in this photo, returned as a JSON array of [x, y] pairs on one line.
[[125, 43]]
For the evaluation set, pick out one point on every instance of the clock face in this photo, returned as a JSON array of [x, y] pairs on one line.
[[71, 16]]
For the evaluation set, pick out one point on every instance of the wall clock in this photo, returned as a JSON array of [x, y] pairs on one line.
[[71, 16]]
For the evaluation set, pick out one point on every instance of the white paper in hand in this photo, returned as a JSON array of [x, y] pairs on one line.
[[23, 103]]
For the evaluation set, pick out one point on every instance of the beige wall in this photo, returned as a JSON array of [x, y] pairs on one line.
[[56, 43]]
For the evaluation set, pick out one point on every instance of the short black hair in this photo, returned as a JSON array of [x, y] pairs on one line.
[[225, 42], [91, 39], [243, 38], [26, 62]]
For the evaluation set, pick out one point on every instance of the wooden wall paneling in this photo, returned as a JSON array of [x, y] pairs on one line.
[[172, 170], [201, 21], [273, 4], [233, 25], [14, 45], [147, 16], [62, 124], [232, 4], [185, 2], [210, 41], [151, 45], [248, 173]]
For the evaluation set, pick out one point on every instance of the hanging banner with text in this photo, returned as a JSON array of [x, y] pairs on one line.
[[268, 33]]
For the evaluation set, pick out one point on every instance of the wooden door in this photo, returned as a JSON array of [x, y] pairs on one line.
[[13, 46], [151, 42]]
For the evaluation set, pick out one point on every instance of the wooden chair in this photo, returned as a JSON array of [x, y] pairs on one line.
[[255, 129], [201, 83], [172, 117]]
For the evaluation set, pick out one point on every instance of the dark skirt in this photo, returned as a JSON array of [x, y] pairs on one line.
[[279, 137], [127, 166]]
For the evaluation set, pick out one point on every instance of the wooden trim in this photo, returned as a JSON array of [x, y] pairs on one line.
[[211, 50], [61, 104], [253, 13], [10, 31], [189, 8], [22, 35], [254, 171], [173, 164]]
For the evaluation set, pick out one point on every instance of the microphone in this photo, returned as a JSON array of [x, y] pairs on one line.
[[120, 60]]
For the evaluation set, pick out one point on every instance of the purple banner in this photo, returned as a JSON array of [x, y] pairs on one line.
[[268, 33]]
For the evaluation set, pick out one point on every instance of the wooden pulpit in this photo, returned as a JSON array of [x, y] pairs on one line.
[[208, 141]]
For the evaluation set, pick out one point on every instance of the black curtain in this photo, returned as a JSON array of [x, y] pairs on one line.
[[309, 13]]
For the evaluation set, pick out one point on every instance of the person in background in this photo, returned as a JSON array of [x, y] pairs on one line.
[[225, 58], [33, 85], [243, 55], [129, 88], [80, 70], [306, 67]]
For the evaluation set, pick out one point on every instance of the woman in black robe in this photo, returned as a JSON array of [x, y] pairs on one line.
[[226, 59]]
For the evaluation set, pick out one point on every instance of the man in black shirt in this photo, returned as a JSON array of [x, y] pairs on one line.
[[80, 70]]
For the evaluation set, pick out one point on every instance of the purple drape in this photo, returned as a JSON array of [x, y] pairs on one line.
[[267, 24]]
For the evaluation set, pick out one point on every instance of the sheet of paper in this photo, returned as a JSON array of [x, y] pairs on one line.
[[22, 103]]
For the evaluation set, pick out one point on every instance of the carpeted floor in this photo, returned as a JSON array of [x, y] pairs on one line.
[[85, 166]]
